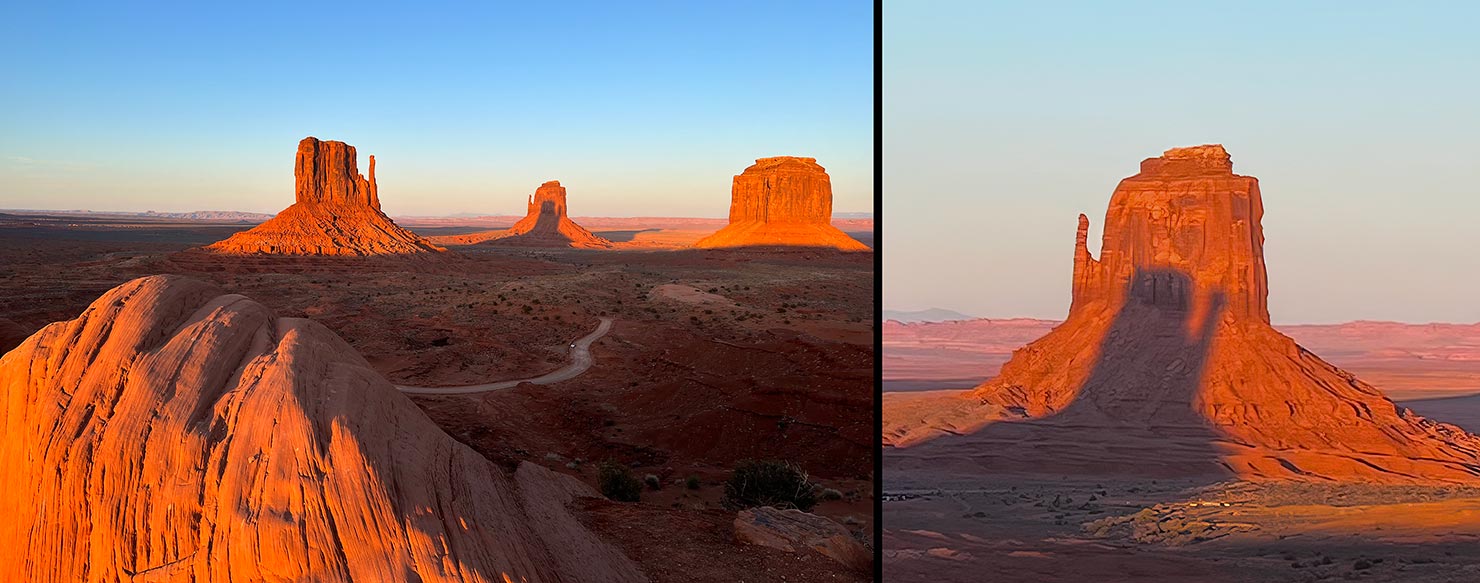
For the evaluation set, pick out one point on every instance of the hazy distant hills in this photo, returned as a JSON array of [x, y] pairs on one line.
[[235, 216], [1405, 360], [927, 315], [860, 221], [224, 216]]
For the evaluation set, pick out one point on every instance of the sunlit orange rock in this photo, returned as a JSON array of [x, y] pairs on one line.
[[1167, 364], [337, 212], [547, 224], [174, 432], [781, 201]]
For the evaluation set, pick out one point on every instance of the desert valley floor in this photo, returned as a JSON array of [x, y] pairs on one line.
[[713, 356]]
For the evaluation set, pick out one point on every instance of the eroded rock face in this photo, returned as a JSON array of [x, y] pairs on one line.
[[173, 432], [1188, 211], [781, 201], [1167, 364], [336, 212], [547, 224]]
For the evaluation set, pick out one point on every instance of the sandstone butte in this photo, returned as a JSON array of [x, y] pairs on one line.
[[1167, 363], [546, 224], [173, 432], [782, 201], [336, 212]]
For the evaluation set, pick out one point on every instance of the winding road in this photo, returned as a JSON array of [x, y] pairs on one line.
[[580, 360]]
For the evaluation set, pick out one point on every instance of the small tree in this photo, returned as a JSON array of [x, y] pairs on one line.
[[770, 483], [617, 483]]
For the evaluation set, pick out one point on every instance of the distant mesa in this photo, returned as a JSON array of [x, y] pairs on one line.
[[547, 224], [174, 432], [782, 201], [337, 213], [1167, 364]]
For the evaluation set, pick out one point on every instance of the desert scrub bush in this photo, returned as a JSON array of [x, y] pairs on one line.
[[652, 482], [777, 483], [831, 494], [691, 482], [617, 483]]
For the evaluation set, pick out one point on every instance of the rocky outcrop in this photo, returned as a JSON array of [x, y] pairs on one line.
[[173, 432], [784, 201], [791, 530], [1187, 211], [547, 224], [336, 212], [1167, 363]]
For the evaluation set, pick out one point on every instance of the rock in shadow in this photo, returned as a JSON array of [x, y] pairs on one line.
[[1134, 415], [623, 236]]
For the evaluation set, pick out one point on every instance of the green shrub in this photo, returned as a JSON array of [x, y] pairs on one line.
[[775, 483], [691, 482], [617, 483]]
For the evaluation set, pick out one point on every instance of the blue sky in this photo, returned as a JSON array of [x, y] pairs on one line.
[[1003, 121], [637, 108]]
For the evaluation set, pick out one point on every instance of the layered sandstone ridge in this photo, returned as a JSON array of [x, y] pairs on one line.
[[173, 432], [781, 201], [547, 224], [1167, 364], [336, 212]]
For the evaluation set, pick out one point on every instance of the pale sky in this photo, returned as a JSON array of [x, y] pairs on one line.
[[637, 108], [1003, 122]]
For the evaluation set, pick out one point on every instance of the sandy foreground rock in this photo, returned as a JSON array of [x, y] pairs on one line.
[[781, 201], [336, 212], [1167, 365], [173, 432], [791, 530]]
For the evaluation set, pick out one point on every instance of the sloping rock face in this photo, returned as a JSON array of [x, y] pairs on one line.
[[548, 225], [337, 212], [1167, 364], [783, 201], [173, 432]]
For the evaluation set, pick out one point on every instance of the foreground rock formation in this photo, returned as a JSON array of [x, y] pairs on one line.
[[547, 224], [336, 212], [781, 201], [173, 432], [1167, 364]]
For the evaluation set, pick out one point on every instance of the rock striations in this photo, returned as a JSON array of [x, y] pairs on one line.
[[781, 201], [173, 432], [337, 212], [548, 225], [1167, 363]]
